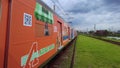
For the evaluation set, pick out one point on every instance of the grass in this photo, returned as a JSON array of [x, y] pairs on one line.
[[93, 53]]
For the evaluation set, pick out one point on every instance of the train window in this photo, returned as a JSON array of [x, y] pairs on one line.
[[0, 9], [46, 30]]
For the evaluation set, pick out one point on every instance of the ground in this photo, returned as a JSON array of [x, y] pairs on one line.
[[93, 53], [63, 59]]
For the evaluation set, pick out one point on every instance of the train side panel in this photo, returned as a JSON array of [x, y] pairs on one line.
[[22, 41], [32, 39], [59, 32], [63, 33], [36, 34], [45, 34], [66, 33], [3, 24]]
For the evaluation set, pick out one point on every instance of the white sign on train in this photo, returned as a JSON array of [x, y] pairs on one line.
[[27, 21], [55, 28]]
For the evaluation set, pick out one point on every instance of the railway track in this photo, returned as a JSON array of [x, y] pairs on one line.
[[63, 56], [73, 55]]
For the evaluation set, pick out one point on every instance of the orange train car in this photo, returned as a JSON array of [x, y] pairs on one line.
[[30, 33]]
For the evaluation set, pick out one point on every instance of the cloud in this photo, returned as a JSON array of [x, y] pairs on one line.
[[115, 2], [104, 13], [83, 6]]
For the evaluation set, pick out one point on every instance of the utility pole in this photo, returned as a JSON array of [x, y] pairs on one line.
[[87, 30], [94, 27], [54, 7]]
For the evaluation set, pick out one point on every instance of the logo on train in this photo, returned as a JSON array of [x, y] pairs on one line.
[[31, 59]]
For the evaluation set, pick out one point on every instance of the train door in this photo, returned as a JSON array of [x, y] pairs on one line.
[[69, 33], [59, 37], [72, 33], [3, 23]]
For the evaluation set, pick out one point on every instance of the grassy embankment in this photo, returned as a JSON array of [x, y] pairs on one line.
[[93, 53]]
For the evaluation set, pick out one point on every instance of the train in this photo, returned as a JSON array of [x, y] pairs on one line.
[[30, 33]]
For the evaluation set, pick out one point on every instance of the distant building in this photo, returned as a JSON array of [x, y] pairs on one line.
[[118, 31], [101, 32]]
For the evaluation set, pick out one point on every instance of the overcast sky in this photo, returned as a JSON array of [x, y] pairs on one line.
[[85, 13]]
